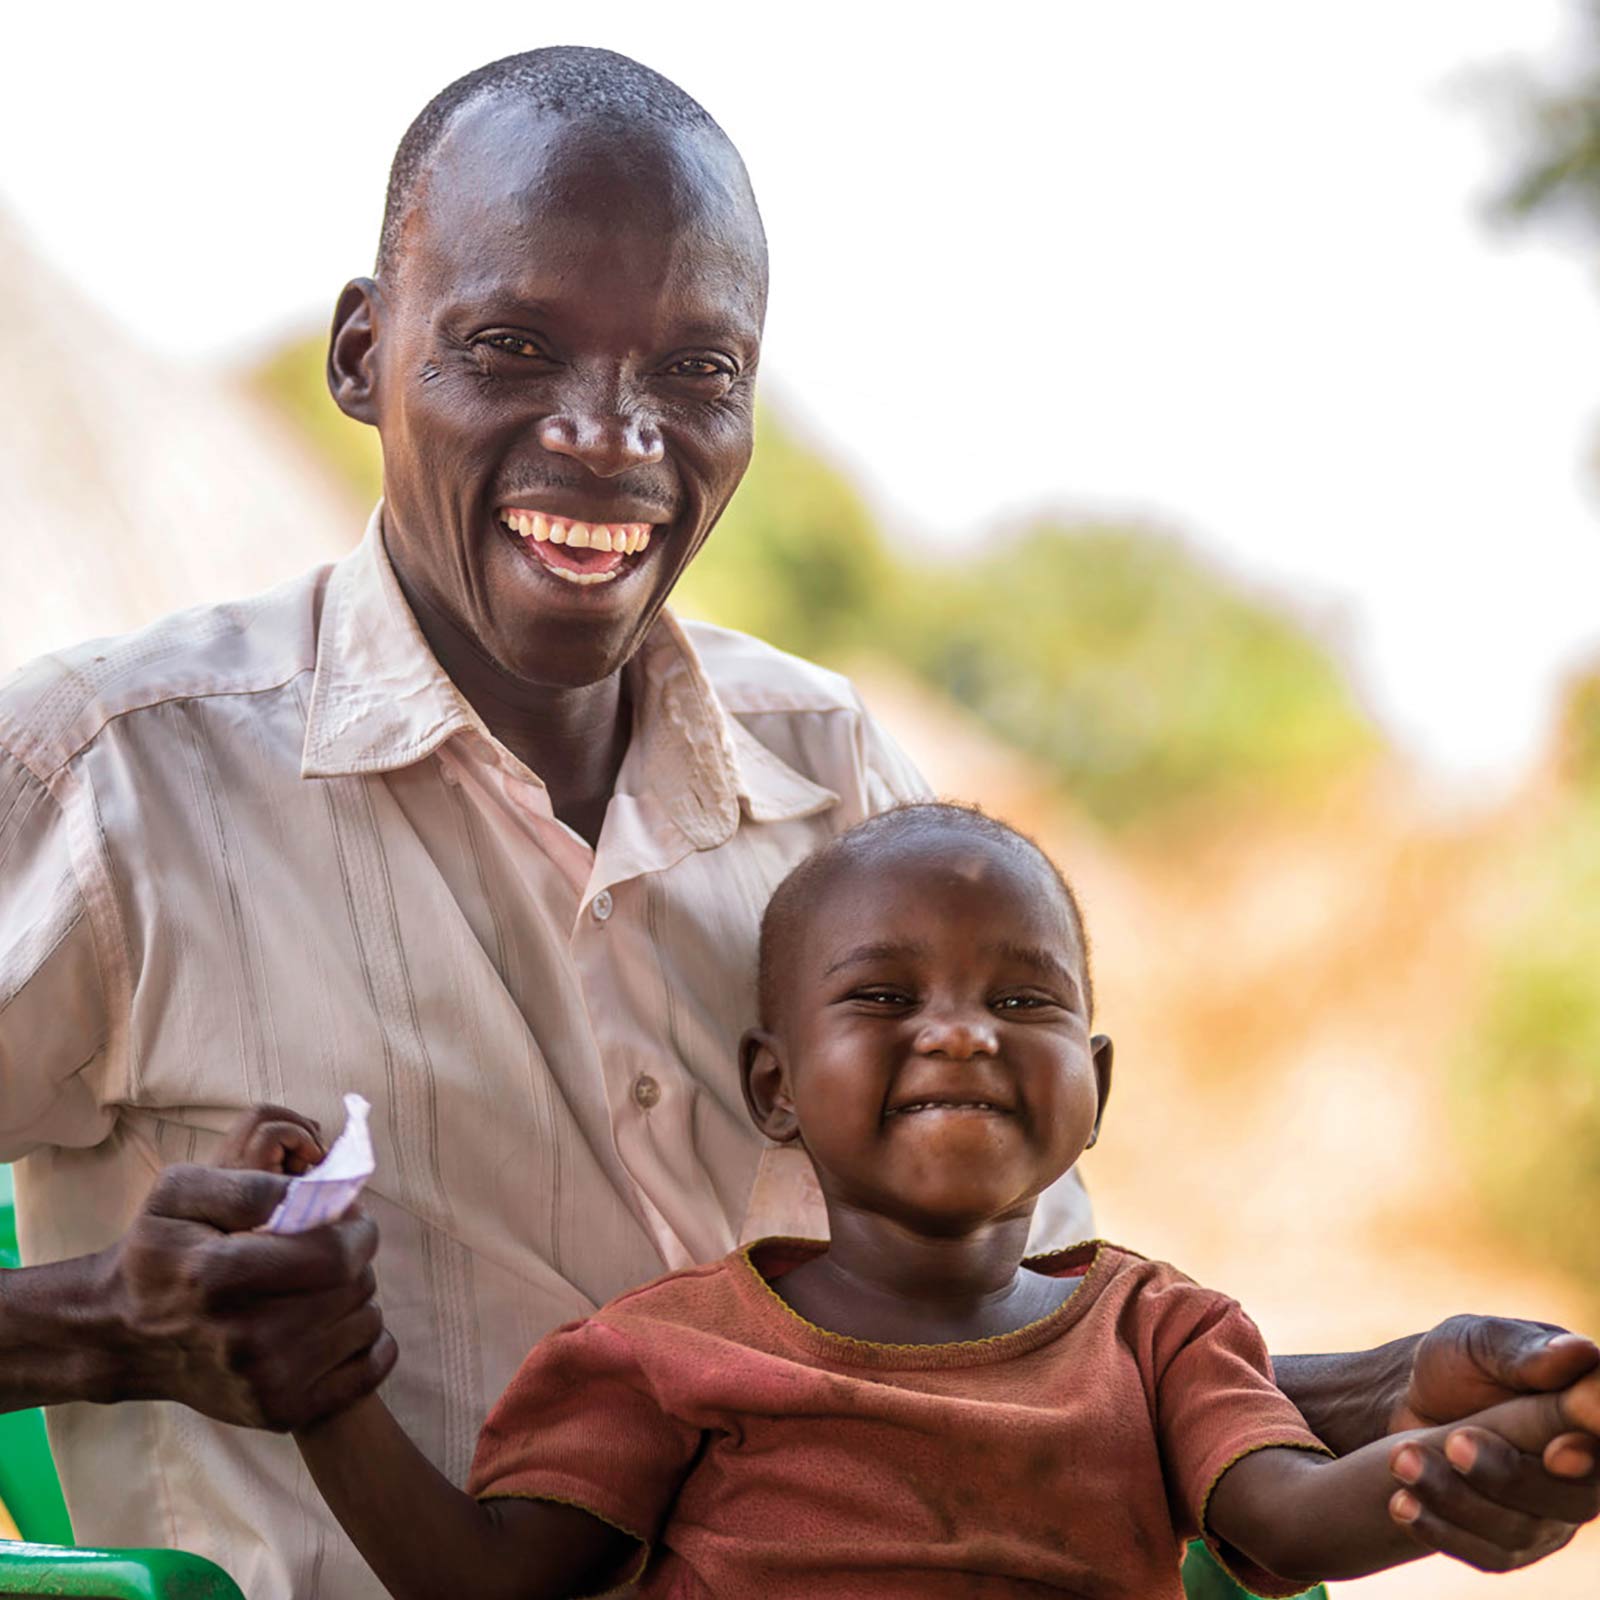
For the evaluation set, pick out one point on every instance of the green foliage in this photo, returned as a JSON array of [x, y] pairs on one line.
[[1558, 126], [1145, 680], [1581, 735], [1131, 668], [1528, 1077], [796, 559]]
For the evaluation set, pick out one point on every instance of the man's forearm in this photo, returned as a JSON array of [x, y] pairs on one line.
[[1348, 1399], [60, 1338]]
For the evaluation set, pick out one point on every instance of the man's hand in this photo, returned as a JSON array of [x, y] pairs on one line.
[[1480, 1498], [265, 1330]]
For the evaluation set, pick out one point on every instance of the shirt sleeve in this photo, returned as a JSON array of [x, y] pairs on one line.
[[53, 1013], [1216, 1403], [581, 1424], [892, 778]]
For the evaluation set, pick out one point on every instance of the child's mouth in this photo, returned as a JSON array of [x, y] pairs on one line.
[[950, 1105]]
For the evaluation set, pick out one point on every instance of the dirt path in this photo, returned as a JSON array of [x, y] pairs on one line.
[[1284, 1007]]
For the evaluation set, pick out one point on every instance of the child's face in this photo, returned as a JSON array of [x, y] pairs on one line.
[[932, 1047]]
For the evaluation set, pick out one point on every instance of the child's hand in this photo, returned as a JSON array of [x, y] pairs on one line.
[[1565, 1423], [272, 1139]]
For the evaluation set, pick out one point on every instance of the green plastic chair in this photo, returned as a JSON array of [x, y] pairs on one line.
[[31, 1493]]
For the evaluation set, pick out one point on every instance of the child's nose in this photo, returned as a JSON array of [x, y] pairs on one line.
[[959, 1035]]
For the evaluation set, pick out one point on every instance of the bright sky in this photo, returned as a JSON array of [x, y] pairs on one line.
[[1220, 265]]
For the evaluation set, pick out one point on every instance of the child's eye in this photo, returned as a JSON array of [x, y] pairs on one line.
[[881, 997], [1020, 1002]]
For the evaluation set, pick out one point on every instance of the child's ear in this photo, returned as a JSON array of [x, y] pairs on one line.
[[766, 1087], [1100, 1054]]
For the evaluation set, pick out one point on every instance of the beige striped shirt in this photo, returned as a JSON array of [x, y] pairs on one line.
[[266, 851]]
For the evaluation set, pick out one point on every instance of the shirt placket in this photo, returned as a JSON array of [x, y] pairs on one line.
[[605, 934]]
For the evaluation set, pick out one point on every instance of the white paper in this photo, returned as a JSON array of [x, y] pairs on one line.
[[329, 1190]]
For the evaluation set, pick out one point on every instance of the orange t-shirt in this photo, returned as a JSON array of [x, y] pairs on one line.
[[755, 1454]]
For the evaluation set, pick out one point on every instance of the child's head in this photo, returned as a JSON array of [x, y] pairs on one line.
[[925, 1008]]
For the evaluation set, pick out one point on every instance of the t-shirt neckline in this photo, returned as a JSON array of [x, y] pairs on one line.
[[844, 1349]]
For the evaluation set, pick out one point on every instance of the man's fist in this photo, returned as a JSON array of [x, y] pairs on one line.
[[266, 1330]]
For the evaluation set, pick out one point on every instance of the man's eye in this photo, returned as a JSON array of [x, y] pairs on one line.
[[699, 367], [512, 344]]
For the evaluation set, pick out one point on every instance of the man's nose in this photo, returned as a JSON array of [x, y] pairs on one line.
[[959, 1034], [602, 436]]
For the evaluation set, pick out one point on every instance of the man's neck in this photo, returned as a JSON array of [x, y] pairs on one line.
[[574, 737]]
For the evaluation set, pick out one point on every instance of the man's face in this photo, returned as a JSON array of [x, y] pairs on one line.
[[934, 1034], [564, 359]]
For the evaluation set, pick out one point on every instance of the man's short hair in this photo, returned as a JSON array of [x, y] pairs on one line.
[[793, 898], [567, 80]]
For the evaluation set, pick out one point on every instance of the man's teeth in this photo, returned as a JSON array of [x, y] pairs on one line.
[[628, 537]]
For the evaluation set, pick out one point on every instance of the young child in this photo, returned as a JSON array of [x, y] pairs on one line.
[[910, 1410]]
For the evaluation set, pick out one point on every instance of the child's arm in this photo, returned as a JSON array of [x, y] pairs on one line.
[[425, 1538], [1304, 1516]]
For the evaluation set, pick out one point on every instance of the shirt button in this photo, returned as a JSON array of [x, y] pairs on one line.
[[646, 1090], [601, 905]]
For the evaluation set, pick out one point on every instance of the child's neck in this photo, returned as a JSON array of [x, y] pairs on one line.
[[884, 1282]]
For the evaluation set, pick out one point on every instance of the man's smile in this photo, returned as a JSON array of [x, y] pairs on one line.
[[583, 553]]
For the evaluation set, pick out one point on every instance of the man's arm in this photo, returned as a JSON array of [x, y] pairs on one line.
[[191, 1306], [1468, 1487]]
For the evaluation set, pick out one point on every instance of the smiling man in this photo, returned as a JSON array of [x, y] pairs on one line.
[[470, 824]]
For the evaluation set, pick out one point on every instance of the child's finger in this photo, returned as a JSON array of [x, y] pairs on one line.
[[1512, 1478], [272, 1139], [1441, 1490], [1433, 1532], [1571, 1456], [1580, 1404], [1529, 1422]]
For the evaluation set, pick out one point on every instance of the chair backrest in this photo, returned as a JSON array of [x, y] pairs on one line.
[[29, 1488]]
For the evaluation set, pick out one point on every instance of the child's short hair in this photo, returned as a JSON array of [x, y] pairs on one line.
[[792, 899]]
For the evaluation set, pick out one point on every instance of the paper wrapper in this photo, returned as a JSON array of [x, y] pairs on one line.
[[328, 1191]]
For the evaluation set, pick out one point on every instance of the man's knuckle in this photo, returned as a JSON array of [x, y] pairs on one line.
[[361, 1235], [172, 1187]]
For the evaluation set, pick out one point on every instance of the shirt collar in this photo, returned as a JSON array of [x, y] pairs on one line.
[[380, 701]]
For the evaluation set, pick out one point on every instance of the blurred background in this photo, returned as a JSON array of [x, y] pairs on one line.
[[1183, 421]]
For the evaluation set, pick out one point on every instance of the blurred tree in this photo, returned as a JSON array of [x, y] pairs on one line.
[[796, 559], [1528, 1069], [1528, 1076], [1580, 735], [1146, 679], [1558, 125]]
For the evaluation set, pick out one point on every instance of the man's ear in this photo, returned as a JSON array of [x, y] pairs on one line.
[[352, 350], [766, 1087], [1100, 1054]]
